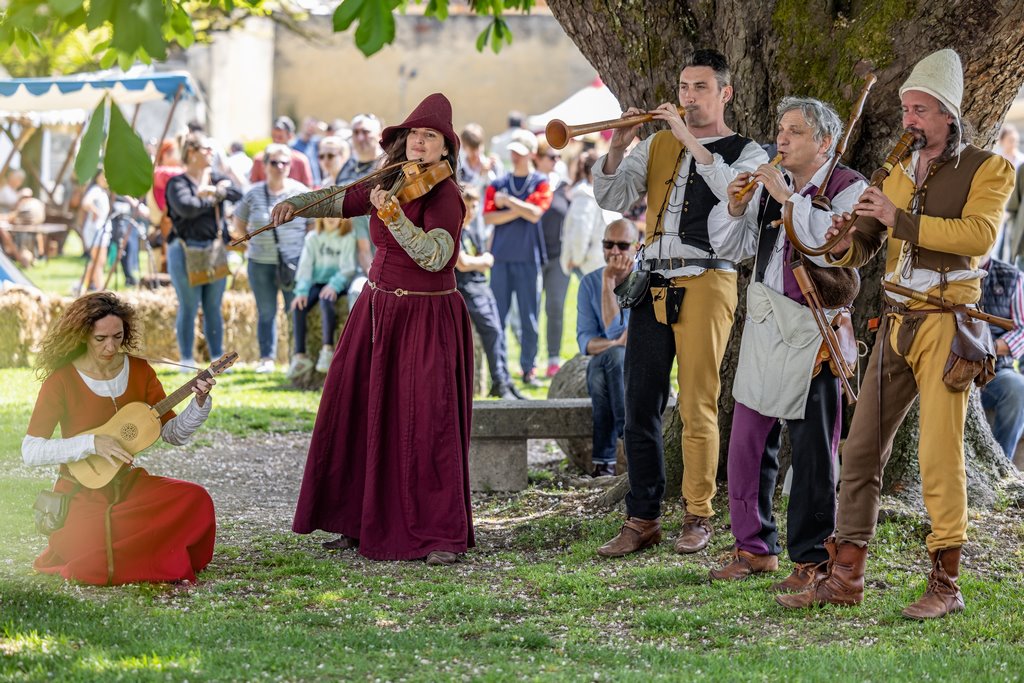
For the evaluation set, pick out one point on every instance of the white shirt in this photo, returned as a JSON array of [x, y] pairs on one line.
[[736, 237], [177, 431], [621, 190]]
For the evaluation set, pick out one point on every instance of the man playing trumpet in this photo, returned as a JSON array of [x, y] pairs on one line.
[[781, 374], [688, 313], [940, 213]]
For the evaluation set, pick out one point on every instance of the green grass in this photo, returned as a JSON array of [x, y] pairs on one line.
[[532, 603], [59, 275]]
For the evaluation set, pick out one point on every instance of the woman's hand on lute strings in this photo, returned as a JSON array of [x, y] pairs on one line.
[[108, 448]]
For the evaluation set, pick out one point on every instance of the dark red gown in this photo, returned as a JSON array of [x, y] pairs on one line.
[[388, 461], [160, 529]]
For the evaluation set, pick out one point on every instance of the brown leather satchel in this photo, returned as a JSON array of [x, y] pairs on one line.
[[972, 355], [837, 287]]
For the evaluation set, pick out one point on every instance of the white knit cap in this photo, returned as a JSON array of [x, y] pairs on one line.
[[941, 75]]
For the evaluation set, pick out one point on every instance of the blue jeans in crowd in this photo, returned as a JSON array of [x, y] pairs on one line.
[[607, 388], [189, 300], [556, 284], [265, 286], [1004, 395], [521, 278], [328, 318]]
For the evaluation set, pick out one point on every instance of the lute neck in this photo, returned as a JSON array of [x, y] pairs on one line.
[[181, 394]]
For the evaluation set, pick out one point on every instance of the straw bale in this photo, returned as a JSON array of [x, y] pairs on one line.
[[25, 316]]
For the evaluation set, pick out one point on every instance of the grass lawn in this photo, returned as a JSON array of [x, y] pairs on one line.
[[531, 602]]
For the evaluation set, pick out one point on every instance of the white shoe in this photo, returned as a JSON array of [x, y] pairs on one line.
[[299, 367], [264, 366], [323, 362]]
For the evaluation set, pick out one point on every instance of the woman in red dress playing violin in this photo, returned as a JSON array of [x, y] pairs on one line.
[[388, 462], [138, 527]]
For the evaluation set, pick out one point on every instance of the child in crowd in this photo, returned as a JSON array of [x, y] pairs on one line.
[[326, 268]]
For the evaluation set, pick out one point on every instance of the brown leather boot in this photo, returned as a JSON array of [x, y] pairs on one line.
[[744, 564], [695, 535], [942, 596], [802, 576], [844, 583], [636, 534]]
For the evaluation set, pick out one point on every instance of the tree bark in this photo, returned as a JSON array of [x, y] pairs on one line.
[[819, 49]]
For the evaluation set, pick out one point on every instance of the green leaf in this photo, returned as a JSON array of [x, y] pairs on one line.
[[347, 13], [128, 29], [376, 27], [497, 36], [88, 158], [100, 12], [437, 9], [152, 16], [64, 7], [481, 40], [108, 59], [127, 165]]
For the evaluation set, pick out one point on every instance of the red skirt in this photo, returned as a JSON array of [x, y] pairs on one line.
[[160, 529]]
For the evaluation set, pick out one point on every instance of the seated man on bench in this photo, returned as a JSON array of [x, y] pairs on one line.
[[601, 333]]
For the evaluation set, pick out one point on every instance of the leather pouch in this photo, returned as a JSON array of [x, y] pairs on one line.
[[667, 302], [633, 289], [50, 511], [972, 355], [908, 326]]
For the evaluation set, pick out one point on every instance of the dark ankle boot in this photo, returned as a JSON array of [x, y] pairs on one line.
[[942, 596], [843, 584]]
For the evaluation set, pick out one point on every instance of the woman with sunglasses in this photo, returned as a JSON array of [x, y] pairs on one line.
[[273, 256], [195, 202], [332, 154], [388, 465]]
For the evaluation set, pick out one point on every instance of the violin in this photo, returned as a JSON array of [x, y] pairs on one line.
[[416, 179]]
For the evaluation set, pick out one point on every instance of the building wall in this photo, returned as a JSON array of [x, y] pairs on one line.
[[328, 77]]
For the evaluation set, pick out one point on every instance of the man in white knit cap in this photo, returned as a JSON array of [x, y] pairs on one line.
[[940, 211]]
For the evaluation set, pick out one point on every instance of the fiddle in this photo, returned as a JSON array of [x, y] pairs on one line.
[[417, 179]]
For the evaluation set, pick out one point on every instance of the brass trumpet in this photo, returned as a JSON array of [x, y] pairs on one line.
[[558, 134], [750, 186]]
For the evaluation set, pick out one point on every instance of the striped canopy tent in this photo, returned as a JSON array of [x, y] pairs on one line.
[[70, 99], [27, 104]]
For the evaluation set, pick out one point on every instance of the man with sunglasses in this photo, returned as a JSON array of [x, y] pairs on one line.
[[601, 334], [688, 313], [940, 211]]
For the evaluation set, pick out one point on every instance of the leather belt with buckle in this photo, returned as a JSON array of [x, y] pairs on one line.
[[676, 263]]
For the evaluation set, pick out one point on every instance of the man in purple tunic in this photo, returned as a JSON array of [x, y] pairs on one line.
[[781, 376]]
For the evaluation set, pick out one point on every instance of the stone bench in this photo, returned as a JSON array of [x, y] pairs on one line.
[[497, 447]]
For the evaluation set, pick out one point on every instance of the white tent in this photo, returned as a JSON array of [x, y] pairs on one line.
[[593, 103]]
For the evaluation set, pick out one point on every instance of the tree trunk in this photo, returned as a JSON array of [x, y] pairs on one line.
[[820, 49]]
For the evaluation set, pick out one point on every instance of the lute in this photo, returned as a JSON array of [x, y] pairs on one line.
[[136, 426]]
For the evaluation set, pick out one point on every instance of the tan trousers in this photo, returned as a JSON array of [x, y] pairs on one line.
[[701, 334], [884, 401]]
